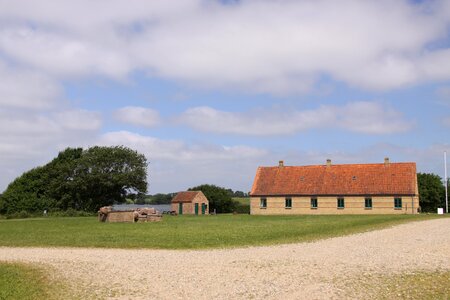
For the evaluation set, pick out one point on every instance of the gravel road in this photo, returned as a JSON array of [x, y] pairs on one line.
[[318, 270]]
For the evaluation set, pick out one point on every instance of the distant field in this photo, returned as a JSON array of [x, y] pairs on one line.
[[243, 200], [190, 232]]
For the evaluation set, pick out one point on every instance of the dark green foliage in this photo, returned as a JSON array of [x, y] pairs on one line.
[[240, 194], [431, 192], [51, 214], [78, 179], [160, 198], [241, 208], [219, 198], [236, 193]]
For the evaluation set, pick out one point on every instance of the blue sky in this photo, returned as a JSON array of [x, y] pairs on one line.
[[210, 90]]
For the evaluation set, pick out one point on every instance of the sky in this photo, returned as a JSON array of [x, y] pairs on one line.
[[209, 90]]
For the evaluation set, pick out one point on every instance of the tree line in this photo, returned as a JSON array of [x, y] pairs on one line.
[[161, 198], [86, 179], [431, 191], [78, 179]]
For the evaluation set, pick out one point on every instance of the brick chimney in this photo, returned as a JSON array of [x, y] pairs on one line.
[[281, 163], [386, 161], [328, 163]]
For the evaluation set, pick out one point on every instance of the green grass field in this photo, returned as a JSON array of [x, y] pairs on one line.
[[190, 232], [18, 281], [242, 200]]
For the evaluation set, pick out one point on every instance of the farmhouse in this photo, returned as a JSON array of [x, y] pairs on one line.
[[385, 188], [190, 203]]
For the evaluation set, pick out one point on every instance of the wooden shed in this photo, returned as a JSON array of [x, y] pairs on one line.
[[190, 203]]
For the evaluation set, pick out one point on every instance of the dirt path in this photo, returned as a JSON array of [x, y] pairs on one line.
[[319, 270]]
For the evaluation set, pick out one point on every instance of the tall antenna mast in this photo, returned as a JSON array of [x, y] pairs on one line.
[[445, 181]]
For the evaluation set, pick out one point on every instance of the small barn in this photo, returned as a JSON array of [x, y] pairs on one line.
[[190, 203]]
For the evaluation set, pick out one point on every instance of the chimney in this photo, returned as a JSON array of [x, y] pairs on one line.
[[281, 163], [386, 161], [328, 162]]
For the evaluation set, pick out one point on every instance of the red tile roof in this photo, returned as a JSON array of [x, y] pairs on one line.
[[185, 196], [350, 179]]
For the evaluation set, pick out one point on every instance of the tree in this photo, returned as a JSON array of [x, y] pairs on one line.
[[431, 192], [240, 194], [219, 198], [79, 179], [105, 175], [161, 198]]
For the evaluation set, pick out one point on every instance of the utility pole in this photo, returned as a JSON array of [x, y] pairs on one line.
[[445, 181]]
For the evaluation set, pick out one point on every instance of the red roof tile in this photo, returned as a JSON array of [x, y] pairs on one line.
[[185, 196], [350, 179]]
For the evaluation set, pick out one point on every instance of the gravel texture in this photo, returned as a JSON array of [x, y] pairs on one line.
[[324, 269]]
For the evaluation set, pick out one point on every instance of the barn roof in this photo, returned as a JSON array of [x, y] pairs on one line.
[[185, 197], [349, 179]]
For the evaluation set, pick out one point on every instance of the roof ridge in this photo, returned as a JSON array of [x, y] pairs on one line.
[[335, 165]]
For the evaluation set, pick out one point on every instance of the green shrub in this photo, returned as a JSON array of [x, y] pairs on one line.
[[241, 208], [56, 213]]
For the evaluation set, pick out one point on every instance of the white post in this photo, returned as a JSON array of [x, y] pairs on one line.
[[445, 181]]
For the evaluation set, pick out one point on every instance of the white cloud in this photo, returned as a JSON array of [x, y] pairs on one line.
[[371, 118], [176, 165], [26, 89], [364, 117], [61, 55], [78, 119], [29, 139], [139, 116], [264, 46], [177, 150]]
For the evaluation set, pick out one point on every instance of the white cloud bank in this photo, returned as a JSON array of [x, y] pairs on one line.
[[264, 46], [36, 121], [26, 89], [362, 117], [176, 165], [138, 116]]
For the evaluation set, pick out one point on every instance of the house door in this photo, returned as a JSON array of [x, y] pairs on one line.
[[180, 208], [203, 208], [196, 208]]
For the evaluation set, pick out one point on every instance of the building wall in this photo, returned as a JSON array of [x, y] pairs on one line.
[[328, 205], [120, 216], [189, 207]]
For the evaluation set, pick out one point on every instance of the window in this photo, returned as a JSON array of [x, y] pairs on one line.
[[263, 203], [368, 203], [313, 202], [398, 203], [340, 203], [288, 203]]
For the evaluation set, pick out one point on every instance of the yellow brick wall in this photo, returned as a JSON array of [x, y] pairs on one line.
[[328, 205], [189, 208]]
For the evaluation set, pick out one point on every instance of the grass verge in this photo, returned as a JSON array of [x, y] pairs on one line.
[[190, 232], [420, 285], [19, 281]]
